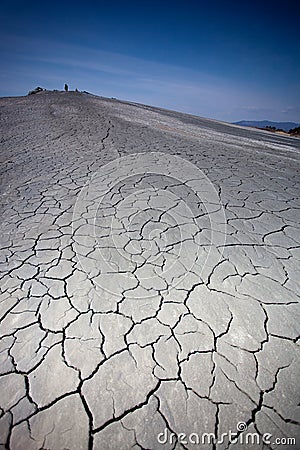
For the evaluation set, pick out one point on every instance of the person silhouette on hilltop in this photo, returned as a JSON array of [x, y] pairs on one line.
[[66, 87]]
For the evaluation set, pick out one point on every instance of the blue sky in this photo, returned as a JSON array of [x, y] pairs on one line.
[[228, 60]]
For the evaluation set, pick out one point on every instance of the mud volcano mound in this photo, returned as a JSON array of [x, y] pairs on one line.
[[149, 278]]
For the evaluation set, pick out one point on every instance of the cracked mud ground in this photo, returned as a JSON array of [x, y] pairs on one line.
[[93, 358]]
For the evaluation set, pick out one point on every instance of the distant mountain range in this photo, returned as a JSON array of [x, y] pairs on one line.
[[286, 126]]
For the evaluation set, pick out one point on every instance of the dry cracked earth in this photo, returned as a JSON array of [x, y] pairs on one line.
[[149, 279]]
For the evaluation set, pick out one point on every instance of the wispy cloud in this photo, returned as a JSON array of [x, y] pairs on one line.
[[291, 109]]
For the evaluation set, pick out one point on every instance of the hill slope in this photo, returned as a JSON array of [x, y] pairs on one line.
[[149, 275]]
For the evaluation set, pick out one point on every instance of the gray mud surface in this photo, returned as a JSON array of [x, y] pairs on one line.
[[141, 308]]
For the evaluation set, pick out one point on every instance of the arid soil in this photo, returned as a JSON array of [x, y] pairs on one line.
[[149, 279]]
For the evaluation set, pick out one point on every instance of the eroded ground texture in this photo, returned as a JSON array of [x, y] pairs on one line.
[[142, 307]]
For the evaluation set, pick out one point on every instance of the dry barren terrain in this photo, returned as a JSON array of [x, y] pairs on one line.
[[149, 279]]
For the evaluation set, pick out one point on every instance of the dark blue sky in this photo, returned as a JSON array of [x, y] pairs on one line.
[[229, 60]]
